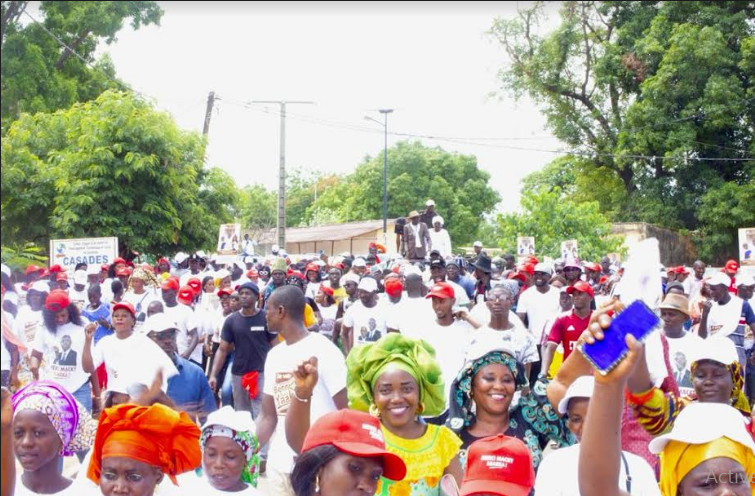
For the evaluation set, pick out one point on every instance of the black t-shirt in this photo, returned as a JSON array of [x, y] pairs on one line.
[[250, 338]]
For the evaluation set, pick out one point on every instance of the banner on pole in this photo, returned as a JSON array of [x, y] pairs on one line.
[[92, 251]]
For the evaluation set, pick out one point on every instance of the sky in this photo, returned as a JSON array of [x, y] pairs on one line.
[[431, 62]]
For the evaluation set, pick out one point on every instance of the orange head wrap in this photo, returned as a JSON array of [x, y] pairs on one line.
[[155, 435]]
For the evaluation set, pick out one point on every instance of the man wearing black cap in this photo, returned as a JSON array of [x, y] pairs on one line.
[[483, 269], [438, 274], [246, 331]]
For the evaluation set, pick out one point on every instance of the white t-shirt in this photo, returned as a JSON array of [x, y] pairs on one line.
[[141, 303], [539, 307], [518, 338], [134, 360], [26, 323], [5, 359], [75, 489], [680, 352], [185, 319], [63, 352], [558, 474], [279, 383], [410, 315], [191, 483], [450, 345], [369, 324], [78, 298], [441, 241]]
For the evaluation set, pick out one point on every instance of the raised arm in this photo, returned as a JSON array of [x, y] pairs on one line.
[[298, 415]]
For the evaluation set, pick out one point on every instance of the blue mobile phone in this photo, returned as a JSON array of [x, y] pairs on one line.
[[637, 319]]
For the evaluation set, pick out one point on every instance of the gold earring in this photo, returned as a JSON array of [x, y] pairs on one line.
[[420, 409], [374, 411], [317, 484]]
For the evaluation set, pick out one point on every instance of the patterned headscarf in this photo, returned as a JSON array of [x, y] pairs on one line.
[[149, 278], [461, 389], [416, 357], [74, 425], [248, 443], [738, 398]]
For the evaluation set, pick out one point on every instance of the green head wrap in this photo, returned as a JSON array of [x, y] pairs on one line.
[[279, 264], [366, 363]]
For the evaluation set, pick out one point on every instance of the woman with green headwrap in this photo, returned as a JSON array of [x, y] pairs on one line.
[[483, 402], [398, 380]]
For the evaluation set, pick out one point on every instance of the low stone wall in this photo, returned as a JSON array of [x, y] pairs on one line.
[[675, 248]]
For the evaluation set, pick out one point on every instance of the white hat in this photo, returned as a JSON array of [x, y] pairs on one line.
[[80, 277], [93, 270], [350, 277], [544, 267], [239, 264], [319, 263], [222, 274], [484, 344], [159, 322], [248, 259], [228, 417], [6, 270], [581, 388], [746, 280], [429, 203], [438, 218], [181, 257], [275, 248], [720, 349], [478, 243], [718, 278], [41, 286], [359, 262], [201, 254], [695, 425], [368, 284]]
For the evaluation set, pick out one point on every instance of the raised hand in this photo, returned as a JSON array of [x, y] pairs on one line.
[[305, 377]]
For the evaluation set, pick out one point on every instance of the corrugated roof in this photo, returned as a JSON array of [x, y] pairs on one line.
[[329, 232]]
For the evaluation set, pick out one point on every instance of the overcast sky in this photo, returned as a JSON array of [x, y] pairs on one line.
[[432, 62]]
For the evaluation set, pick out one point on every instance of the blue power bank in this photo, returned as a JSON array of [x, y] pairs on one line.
[[637, 319]]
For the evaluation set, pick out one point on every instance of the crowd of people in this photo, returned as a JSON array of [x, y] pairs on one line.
[[416, 375]]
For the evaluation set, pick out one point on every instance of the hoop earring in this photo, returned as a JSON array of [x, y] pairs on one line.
[[374, 411], [420, 409]]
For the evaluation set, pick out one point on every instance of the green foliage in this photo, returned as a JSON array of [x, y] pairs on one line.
[[19, 257], [111, 167], [722, 211], [552, 218], [415, 173], [38, 75], [642, 91], [257, 210]]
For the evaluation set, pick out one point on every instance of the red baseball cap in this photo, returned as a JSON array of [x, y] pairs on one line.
[[731, 266], [393, 287], [252, 273], [195, 284], [123, 271], [125, 306], [57, 300], [441, 290], [34, 268], [595, 267], [517, 275], [532, 260], [104, 268], [297, 274], [186, 295], [119, 260], [62, 276], [355, 433], [499, 465], [328, 291], [581, 286], [170, 284], [55, 269], [224, 291], [312, 267], [528, 268]]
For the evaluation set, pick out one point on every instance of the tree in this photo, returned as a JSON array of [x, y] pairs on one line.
[[551, 219], [656, 99], [39, 75], [258, 210], [111, 167]]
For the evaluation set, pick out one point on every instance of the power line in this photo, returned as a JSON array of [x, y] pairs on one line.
[[464, 141]]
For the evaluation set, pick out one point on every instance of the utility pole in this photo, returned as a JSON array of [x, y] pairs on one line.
[[208, 113], [281, 223], [385, 113]]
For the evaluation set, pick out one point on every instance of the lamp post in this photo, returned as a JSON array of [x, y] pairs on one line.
[[385, 113]]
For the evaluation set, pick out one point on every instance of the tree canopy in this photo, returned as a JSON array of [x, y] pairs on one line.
[[656, 101], [40, 75], [552, 218], [416, 173], [111, 167]]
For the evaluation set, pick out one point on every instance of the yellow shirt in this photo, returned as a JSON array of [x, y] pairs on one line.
[[426, 458]]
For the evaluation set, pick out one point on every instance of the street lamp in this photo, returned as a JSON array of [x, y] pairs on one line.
[[385, 113]]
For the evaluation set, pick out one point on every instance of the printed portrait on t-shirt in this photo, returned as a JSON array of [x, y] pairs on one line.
[[681, 370], [65, 355]]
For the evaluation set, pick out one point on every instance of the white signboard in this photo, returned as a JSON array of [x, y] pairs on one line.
[[746, 245], [92, 251]]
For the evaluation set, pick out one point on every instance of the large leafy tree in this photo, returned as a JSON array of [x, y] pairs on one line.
[[40, 75], [655, 99], [415, 173], [257, 210], [551, 219], [111, 167]]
